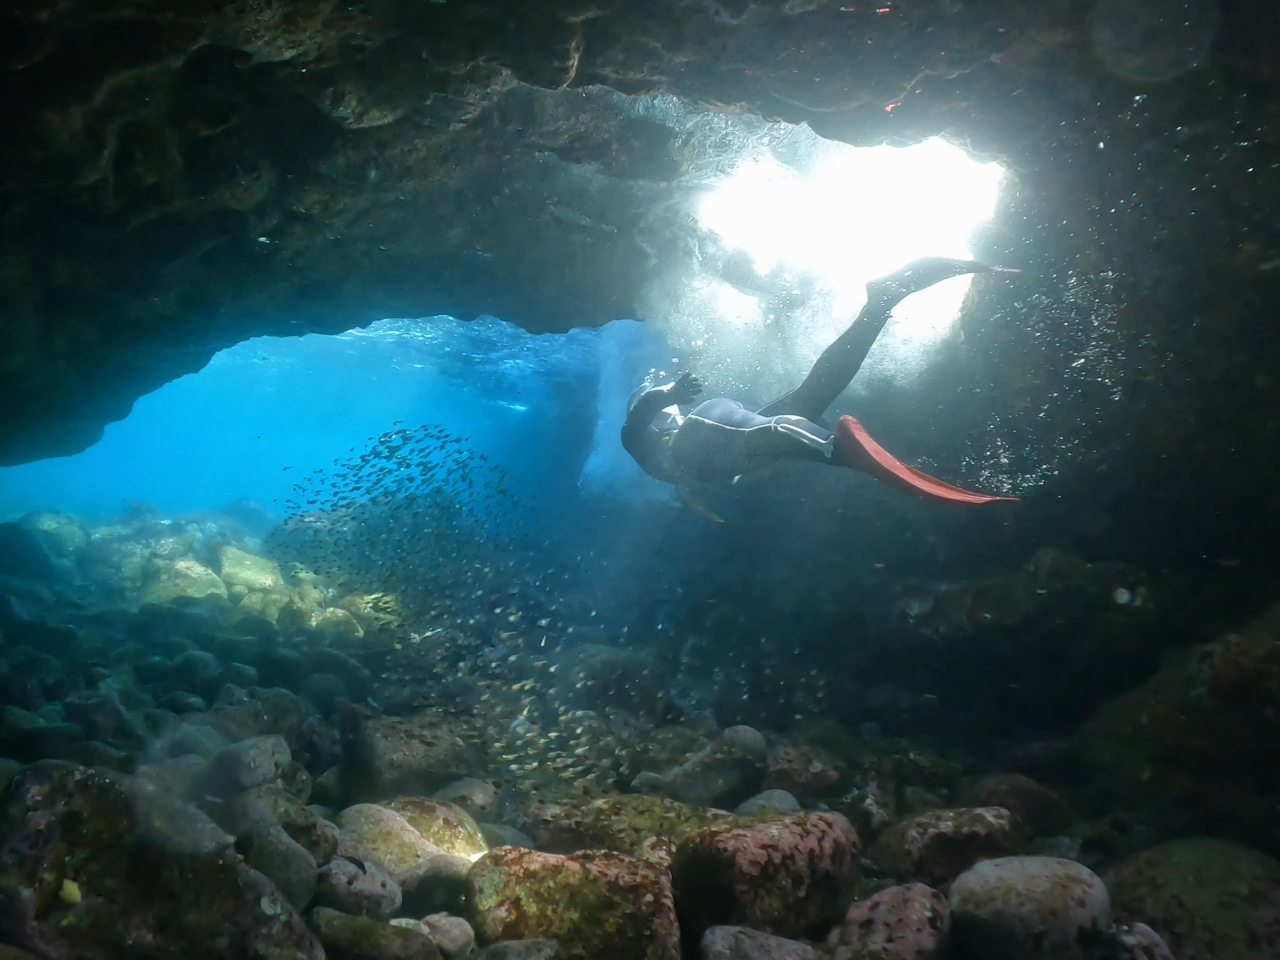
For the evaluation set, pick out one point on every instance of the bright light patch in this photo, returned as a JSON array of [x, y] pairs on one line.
[[857, 214]]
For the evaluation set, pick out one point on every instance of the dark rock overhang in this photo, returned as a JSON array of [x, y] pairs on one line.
[[181, 176]]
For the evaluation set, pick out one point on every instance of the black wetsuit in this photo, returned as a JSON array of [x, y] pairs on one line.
[[720, 439]]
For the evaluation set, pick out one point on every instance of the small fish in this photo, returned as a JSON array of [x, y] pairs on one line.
[[359, 863]]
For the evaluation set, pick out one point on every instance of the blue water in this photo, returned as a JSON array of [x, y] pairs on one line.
[[265, 413]]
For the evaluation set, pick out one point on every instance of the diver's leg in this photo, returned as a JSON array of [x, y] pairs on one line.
[[840, 362]]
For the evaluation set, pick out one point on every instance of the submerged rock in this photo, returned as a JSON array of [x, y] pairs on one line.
[[1210, 899], [788, 876], [938, 845], [594, 904], [539, 948], [452, 935], [724, 773], [241, 569], [770, 801], [249, 763], [743, 943], [622, 823], [1013, 907], [910, 922], [370, 832], [284, 861], [62, 824], [1037, 807], [358, 887], [447, 826], [347, 936], [181, 578], [387, 757]]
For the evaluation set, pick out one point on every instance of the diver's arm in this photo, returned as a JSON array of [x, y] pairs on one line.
[[652, 402]]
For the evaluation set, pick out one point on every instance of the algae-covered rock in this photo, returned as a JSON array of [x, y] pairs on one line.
[[623, 823], [61, 823], [359, 937], [181, 578], [241, 569], [910, 922], [1210, 899], [938, 845], [594, 904], [1013, 907], [807, 772], [259, 711], [62, 534], [371, 832], [788, 876], [447, 826], [338, 624]]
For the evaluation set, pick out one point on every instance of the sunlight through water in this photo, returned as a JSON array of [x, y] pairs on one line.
[[846, 216]]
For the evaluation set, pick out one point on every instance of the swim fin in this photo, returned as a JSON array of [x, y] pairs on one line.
[[857, 450]]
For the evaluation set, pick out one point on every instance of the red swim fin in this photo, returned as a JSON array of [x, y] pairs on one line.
[[859, 451]]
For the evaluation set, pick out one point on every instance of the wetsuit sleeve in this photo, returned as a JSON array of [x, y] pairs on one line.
[[652, 402]]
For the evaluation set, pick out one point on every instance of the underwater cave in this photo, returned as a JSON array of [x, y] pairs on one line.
[[375, 581]]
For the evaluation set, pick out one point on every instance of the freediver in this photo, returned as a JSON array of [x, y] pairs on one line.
[[719, 440]]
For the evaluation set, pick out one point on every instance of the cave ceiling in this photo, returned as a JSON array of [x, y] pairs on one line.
[[179, 176]]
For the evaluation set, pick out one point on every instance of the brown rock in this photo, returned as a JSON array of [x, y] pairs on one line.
[[939, 845], [790, 876], [910, 922], [1040, 809], [805, 772]]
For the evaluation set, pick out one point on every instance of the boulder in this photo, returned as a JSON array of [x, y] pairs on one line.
[[622, 823], [369, 832], [249, 763], [910, 922], [1210, 899], [790, 876], [241, 569], [1037, 807], [181, 578], [725, 772], [359, 937], [1013, 907], [539, 948], [595, 904], [356, 887], [282, 860], [93, 868], [938, 845], [447, 826], [452, 935], [770, 801], [743, 943], [387, 757]]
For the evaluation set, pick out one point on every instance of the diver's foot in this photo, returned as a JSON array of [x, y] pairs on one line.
[[855, 449], [925, 272]]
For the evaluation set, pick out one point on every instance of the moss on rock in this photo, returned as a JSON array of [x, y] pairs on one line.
[[594, 904], [64, 823], [443, 824]]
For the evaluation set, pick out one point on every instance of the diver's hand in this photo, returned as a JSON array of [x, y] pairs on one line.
[[685, 389]]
